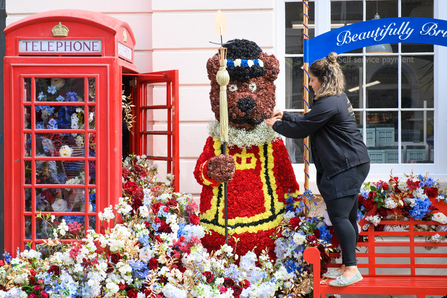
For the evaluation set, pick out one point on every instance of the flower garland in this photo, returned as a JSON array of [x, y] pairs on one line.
[[410, 196], [150, 246], [243, 138]]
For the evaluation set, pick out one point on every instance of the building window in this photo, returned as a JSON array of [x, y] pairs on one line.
[[391, 87]]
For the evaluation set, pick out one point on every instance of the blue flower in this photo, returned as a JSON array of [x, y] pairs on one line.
[[52, 89], [60, 98], [420, 209], [41, 97], [230, 62], [244, 63], [292, 266], [325, 234], [71, 96], [7, 257]]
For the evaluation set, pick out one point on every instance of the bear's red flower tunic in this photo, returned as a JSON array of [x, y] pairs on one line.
[[256, 196]]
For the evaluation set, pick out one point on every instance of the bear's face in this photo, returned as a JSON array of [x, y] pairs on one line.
[[250, 101]]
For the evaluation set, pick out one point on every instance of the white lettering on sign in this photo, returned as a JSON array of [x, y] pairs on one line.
[[124, 51], [431, 29], [403, 31], [60, 46]]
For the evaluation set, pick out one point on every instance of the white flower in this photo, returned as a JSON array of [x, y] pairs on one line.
[[375, 220], [112, 288], [299, 238], [59, 205], [250, 63], [62, 228], [261, 63], [146, 254], [237, 62], [440, 217], [144, 211], [289, 215], [65, 151], [170, 291], [390, 203]]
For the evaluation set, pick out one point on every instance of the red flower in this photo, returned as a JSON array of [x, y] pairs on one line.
[[132, 293], [122, 286], [153, 264], [109, 268], [222, 290], [33, 295], [55, 270], [236, 290], [385, 186], [371, 195], [172, 203], [431, 192], [209, 276], [126, 173], [228, 282], [382, 212], [156, 207], [37, 288], [132, 189], [164, 227], [158, 238], [412, 185], [244, 283], [33, 272], [368, 204], [44, 294], [194, 219], [115, 258], [311, 239], [295, 222]]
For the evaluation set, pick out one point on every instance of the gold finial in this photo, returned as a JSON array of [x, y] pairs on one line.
[[124, 35], [60, 30]]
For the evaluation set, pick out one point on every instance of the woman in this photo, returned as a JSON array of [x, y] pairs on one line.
[[339, 155]]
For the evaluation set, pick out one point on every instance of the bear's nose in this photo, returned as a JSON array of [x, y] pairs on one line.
[[246, 104]]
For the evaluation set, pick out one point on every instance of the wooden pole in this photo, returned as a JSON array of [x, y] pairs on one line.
[[306, 91]]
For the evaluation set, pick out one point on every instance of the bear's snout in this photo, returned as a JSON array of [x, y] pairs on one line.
[[246, 104]]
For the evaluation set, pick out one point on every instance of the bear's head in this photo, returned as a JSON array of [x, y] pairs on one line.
[[251, 90]]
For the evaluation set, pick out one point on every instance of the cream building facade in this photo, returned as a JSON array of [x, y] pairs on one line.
[[175, 34]]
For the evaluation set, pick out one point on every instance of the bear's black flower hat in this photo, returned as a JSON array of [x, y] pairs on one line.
[[242, 60]]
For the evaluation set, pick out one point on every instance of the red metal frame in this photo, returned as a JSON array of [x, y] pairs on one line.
[[147, 84]]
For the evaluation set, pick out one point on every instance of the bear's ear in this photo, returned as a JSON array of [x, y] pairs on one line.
[[271, 65], [212, 67]]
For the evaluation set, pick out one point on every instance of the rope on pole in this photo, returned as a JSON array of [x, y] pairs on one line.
[[306, 94]]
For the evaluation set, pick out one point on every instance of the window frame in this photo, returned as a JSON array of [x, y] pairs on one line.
[[438, 169]]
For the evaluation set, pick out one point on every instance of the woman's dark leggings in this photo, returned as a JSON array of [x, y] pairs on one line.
[[343, 215]]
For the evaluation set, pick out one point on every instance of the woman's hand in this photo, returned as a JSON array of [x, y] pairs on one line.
[[271, 121], [278, 114]]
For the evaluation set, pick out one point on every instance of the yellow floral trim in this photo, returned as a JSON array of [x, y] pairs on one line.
[[204, 178], [252, 229]]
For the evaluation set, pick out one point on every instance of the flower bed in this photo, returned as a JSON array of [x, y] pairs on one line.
[[149, 246]]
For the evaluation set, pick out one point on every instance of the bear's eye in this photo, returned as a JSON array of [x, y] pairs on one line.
[[252, 87], [232, 88]]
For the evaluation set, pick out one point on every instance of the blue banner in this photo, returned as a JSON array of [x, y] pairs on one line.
[[374, 32]]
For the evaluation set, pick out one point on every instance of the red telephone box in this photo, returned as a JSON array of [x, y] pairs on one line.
[[63, 121]]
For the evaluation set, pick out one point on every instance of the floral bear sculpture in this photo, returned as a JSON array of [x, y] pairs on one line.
[[256, 161]]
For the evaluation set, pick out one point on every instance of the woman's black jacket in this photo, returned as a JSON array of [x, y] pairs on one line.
[[336, 143]]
